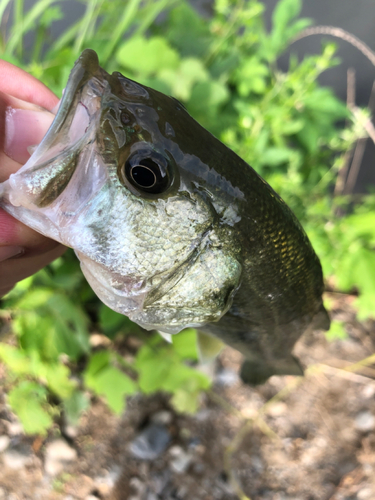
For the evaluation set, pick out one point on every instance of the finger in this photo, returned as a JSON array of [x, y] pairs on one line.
[[21, 125], [14, 233], [16, 269], [7, 166], [18, 83]]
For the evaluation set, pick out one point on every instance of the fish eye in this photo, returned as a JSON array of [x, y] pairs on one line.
[[149, 175]]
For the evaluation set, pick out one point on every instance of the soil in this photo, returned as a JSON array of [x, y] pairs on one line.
[[293, 438]]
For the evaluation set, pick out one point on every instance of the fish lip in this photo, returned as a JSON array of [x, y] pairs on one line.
[[85, 69]]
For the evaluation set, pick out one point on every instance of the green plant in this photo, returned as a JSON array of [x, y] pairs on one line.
[[224, 70]]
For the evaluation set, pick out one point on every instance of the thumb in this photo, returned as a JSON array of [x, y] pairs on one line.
[[23, 124]]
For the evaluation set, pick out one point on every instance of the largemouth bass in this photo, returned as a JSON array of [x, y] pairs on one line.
[[172, 228]]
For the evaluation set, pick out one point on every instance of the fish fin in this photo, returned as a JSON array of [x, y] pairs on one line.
[[257, 373], [321, 320], [166, 336], [208, 347]]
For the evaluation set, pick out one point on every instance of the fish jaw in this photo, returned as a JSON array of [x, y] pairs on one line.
[[32, 195]]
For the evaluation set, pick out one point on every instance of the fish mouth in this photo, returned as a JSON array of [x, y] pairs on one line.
[[32, 194]]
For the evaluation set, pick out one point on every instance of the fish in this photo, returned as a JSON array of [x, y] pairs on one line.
[[171, 227]]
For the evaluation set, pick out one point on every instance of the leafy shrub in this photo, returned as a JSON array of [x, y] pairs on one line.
[[224, 70]]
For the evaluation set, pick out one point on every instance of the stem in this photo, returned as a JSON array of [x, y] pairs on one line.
[[120, 28], [18, 24], [87, 21]]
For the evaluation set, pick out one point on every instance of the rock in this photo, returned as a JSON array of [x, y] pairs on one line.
[[227, 378], [162, 417], [368, 391], [277, 409], [105, 483], [181, 459], [17, 455], [151, 496], [71, 431], [2, 493], [15, 428], [151, 442], [364, 421], [58, 454], [4, 443], [365, 494], [138, 488]]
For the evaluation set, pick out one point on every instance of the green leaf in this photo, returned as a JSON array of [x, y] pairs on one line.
[[181, 80], [188, 31], [98, 361], [58, 380], [284, 12], [147, 56], [276, 156], [181, 376], [114, 385], [75, 405], [29, 401], [153, 366], [112, 322], [35, 298], [15, 359], [186, 401], [337, 331], [185, 344]]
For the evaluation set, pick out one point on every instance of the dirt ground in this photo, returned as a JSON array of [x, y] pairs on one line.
[[294, 438]]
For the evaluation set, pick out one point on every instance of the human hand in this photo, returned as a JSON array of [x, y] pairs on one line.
[[24, 120]]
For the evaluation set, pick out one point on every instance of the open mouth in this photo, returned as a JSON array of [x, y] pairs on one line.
[[63, 172], [54, 162], [80, 101]]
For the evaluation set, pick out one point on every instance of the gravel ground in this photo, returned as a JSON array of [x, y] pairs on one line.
[[294, 438]]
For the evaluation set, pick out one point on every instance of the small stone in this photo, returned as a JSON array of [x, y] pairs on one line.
[[151, 442], [163, 417], [4, 443], [138, 488], [58, 454], [106, 482], [181, 460], [227, 378], [368, 391], [364, 421], [15, 428], [203, 415], [16, 460], [151, 496], [97, 340], [277, 409], [71, 431], [365, 494]]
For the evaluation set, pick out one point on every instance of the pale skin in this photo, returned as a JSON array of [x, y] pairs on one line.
[[25, 115]]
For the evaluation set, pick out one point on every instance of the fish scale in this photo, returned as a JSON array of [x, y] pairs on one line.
[[171, 227]]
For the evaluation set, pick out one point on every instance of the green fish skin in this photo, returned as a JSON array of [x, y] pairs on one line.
[[172, 228]]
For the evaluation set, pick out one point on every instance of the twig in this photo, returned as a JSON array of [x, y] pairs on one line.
[[342, 173], [350, 92], [355, 166], [339, 33], [368, 126], [350, 102]]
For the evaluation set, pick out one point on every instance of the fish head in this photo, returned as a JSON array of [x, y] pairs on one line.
[[122, 178]]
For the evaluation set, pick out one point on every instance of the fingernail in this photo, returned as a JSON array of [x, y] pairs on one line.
[[24, 128], [9, 252]]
